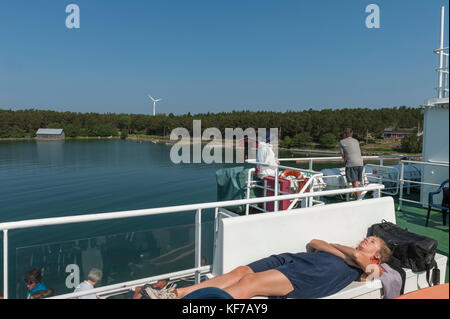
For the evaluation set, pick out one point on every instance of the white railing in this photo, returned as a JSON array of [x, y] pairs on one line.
[[380, 178], [197, 270], [402, 180], [312, 180], [312, 160], [442, 88], [312, 175]]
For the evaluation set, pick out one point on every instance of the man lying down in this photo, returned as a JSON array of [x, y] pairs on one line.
[[320, 273]]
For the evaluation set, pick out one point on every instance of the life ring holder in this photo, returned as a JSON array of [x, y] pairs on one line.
[[301, 178], [288, 172]]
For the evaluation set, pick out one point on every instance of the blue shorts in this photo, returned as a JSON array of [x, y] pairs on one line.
[[313, 275], [354, 174]]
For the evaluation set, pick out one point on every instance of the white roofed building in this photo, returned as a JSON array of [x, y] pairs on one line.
[[50, 134]]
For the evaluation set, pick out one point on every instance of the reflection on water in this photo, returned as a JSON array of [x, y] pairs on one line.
[[50, 152]]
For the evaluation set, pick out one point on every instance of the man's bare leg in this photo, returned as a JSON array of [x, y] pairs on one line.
[[356, 184], [266, 283], [222, 281]]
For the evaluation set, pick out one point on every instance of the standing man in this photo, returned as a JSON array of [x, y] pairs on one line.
[[94, 276], [351, 153]]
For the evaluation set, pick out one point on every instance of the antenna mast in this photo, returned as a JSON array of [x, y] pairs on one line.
[[443, 61]]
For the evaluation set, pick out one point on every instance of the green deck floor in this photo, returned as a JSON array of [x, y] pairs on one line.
[[414, 217]]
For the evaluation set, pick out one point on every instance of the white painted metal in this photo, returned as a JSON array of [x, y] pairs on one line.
[[127, 286], [314, 174], [435, 144], [5, 264], [198, 244], [380, 178], [152, 211], [276, 188], [249, 181], [431, 184], [441, 94]]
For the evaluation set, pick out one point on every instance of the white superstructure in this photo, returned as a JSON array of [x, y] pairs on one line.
[[436, 125]]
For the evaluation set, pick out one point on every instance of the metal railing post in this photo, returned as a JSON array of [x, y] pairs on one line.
[[198, 244], [249, 179], [5, 264], [402, 174], [311, 190], [381, 164], [265, 195], [275, 209], [311, 166], [216, 219]]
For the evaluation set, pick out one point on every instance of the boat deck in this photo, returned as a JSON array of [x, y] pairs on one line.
[[413, 218]]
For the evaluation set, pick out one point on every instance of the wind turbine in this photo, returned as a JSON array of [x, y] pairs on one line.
[[154, 104]]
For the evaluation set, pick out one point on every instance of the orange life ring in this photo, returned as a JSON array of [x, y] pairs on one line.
[[289, 172]]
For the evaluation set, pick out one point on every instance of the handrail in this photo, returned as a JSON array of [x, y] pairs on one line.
[[310, 170], [402, 180], [311, 160], [166, 210], [129, 284], [387, 180], [7, 226], [445, 164]]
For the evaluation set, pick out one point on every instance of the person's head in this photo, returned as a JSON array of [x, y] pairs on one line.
[[32, 278], [95, 275], [40, 294], [348, 132], [375, 248]]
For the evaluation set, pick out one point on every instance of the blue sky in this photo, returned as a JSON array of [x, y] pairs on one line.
[[217, 56]]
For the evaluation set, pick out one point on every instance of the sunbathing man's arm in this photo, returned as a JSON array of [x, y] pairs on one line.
[[361, 261], [321, 245]]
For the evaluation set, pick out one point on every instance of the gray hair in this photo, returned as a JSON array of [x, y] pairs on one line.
[[95, 275]]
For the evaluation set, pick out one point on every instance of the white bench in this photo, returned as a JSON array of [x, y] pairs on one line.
[[244, 239]]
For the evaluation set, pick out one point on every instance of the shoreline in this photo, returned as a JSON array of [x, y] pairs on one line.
[[169, 142]]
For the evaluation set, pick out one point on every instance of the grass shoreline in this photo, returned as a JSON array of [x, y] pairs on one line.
[[373, 150]]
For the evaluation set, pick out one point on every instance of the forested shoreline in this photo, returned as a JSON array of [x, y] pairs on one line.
[[308, 126]]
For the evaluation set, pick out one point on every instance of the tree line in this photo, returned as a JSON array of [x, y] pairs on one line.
[[295, 127]]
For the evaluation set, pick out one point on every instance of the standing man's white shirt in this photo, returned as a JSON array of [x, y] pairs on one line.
[[85, 285], [266, 155]]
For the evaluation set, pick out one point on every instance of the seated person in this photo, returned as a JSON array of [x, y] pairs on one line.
[[40, 294], [266, 155], [327, 270], [33, 281], [140, 292]]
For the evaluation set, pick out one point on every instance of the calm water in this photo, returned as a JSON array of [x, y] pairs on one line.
[[54, 179]]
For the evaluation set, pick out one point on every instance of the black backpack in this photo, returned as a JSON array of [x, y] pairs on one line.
[[412, 250]]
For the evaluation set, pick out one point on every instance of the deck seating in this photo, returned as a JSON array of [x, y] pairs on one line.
[[244, 239]]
